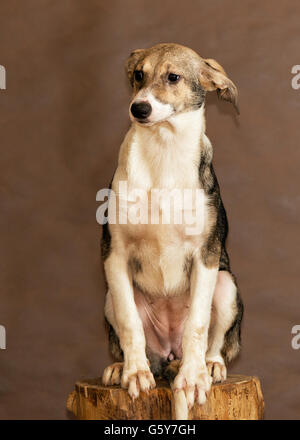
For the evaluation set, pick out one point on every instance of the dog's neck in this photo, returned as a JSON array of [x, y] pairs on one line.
[[167, 154]]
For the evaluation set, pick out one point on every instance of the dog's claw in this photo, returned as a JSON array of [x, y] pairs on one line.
[[217, 371], [112, 374], [140, 380], [196, 386]]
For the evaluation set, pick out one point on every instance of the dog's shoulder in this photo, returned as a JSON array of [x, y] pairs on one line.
[[207, 175]]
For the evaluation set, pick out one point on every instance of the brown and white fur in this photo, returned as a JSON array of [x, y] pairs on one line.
[[172, 306]]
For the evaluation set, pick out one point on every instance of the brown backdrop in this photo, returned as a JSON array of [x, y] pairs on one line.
[[63, 117]]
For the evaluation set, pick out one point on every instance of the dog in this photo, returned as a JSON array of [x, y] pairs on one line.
[[172, 307]]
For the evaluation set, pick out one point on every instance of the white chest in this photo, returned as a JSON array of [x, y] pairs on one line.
[[165, 206]]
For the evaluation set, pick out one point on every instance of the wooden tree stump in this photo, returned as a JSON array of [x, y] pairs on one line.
[[239, 398]]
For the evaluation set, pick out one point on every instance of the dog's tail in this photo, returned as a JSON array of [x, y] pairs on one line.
[[180, 402]]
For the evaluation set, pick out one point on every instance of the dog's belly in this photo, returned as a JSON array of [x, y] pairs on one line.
[[163, 321], [161, 268]]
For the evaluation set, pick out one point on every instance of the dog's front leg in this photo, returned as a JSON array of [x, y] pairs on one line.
[[136, 374], [193, 378]]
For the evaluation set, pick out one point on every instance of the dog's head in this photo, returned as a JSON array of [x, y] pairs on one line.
[[169, 78]]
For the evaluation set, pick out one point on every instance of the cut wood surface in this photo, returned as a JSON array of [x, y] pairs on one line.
[[239, 398]]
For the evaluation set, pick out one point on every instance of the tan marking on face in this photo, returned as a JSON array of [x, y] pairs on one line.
[[157, 63]]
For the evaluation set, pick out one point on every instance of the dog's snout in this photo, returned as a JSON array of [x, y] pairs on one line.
[[141, 110]]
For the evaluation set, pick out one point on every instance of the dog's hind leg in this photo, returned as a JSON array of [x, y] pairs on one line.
[[224, 332]]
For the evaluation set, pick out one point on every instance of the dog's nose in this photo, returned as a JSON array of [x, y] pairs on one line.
[[141, 110]]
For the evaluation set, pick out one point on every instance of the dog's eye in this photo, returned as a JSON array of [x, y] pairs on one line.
[[173, 77], [138, 75]]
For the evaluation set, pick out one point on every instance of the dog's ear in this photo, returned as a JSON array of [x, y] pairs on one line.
[[132, 61], [213, 77]]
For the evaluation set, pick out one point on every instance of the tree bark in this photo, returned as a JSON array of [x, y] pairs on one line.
[[239, 398]]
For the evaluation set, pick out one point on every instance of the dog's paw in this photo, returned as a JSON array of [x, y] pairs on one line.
[[112, 374], [194, 382], [217, 371], [136, 379]]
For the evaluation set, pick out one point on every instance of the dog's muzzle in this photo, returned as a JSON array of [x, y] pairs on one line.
[[141, 110]]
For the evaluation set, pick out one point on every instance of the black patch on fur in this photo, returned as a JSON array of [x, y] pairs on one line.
[[207, 175], [232, 339], [222, 226], [198, 94], [105, 241], [157, 364], [135, 265], [216, 242], [106, 237], [188, 264], [224, 260], [171, 370], [114, 343]]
